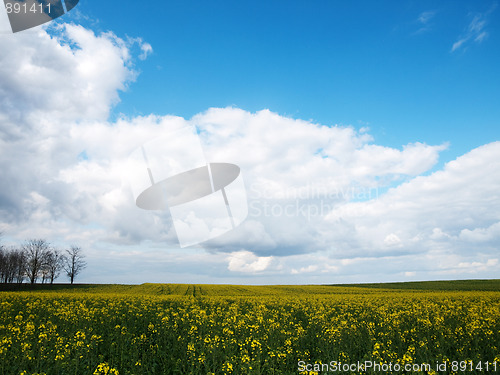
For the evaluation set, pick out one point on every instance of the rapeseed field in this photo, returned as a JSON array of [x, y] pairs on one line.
[[209, 330]]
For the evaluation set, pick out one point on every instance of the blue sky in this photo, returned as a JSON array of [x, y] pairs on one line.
[[370, 128], [388, 65]]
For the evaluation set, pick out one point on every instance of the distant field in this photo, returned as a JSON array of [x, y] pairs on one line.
[[480, 285], [249, 290], [234, 329]]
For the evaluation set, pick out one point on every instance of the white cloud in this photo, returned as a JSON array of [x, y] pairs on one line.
[[481, 37], [438, 234], [475, 267], [245, 261], [146, 51], [71, 76], [424, 21], [281, 154], [443, 211], [426, 16], [310, 268], [392, 240], [458, 44], [491, 233], [475, 31]]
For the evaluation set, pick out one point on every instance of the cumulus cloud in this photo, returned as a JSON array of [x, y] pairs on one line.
[[481, 235], [444, 212], [48, 84], [146, 51], [392, 240], [245, 261], [310, 268], [69, 76]]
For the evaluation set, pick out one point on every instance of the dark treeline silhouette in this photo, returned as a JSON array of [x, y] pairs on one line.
[[36, 260]]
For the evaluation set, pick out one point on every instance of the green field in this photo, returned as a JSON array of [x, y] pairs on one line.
[[234, 329]]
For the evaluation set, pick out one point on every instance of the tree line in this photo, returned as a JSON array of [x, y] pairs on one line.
[[37, 260]]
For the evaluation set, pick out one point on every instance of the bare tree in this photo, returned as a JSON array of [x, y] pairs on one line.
[[3, 264], [35, 252], [53, 265], [9, 265], [3, 261], [12, 266], [19, 266], [73, 262]]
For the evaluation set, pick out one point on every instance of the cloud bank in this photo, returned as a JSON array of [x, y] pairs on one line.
[[326, 203]]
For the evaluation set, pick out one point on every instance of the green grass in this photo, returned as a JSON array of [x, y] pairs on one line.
[[198, 290], [460, 285]]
